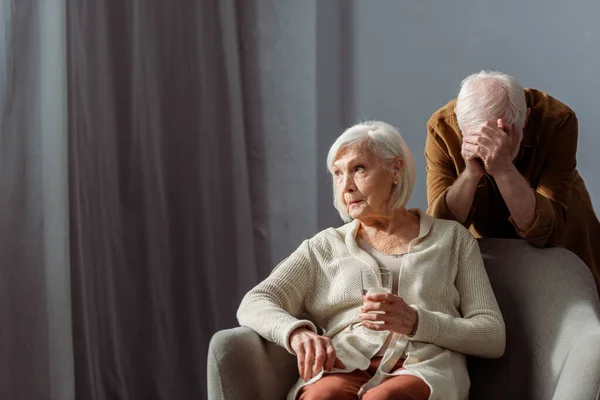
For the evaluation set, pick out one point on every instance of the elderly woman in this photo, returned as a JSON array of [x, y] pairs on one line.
[[442, 305]]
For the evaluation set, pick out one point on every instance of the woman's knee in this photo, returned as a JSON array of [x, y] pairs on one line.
[[387, 395], [399, 388], [331, 393]]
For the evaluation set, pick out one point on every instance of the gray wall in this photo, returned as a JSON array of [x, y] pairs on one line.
[[410, 56], [326, 64]]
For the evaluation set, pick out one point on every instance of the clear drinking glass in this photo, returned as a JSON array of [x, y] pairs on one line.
[[376, 282]]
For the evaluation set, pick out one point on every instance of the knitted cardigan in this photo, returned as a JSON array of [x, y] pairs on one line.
[[442, 276]]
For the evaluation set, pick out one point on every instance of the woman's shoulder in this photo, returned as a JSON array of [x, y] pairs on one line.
[[330, 237], [451, 229]]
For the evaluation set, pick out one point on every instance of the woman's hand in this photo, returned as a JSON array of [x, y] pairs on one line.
[[398, 316], [314, 352]]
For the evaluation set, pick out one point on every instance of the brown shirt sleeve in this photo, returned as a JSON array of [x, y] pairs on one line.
[[553, 192], [441, 174]]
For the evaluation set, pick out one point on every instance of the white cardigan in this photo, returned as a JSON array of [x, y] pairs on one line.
[[442, 277]]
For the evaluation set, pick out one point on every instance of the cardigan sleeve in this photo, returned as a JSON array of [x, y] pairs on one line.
[[553, 192], [272, 307], [480, 330]]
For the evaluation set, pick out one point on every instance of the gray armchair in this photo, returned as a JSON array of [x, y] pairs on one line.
[[550, 305]]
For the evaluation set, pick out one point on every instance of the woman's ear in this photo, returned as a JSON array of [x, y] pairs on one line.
[[398, 166]]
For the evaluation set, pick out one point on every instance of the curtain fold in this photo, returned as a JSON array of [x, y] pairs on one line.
[[35, 315], [134, 201], [162, 235]]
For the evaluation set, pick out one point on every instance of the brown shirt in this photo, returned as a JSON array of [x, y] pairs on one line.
[[564, 215]]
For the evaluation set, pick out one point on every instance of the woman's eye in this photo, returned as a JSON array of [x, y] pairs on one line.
[[359, 168], [337, 173]]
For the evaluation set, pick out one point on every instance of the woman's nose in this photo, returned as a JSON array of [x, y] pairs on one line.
[[348, 185]]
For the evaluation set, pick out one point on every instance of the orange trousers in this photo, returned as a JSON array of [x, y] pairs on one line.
[[346, 386]]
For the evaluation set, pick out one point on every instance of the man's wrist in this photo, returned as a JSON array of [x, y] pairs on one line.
[[471, 176], [507, 175]]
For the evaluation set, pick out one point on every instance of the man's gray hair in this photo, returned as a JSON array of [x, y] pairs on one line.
[[386, 143], [487, 96]]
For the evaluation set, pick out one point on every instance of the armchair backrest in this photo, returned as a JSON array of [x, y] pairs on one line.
[[550, 305]]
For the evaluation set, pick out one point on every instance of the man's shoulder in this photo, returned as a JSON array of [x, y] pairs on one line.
[[544, 106], [444, 119]]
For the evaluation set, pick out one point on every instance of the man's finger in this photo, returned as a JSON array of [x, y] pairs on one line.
[[481, 140], [493, 132], [469, 156], [502, 126], [472, 148]]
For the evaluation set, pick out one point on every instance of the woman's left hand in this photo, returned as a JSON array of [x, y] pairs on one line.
[[398, 316]]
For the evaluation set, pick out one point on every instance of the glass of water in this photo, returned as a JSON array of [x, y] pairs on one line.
[[376, 282]]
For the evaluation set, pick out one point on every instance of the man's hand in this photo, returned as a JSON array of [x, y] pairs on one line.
[[474, 165], [314, 352], [493, 145]]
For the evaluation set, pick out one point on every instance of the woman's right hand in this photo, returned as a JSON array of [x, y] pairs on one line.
[[314, 352]]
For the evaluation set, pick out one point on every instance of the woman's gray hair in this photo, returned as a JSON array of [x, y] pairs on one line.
[[386, 143], [506, 100]]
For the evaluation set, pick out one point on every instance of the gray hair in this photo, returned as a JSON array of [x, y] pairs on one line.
[[386, 143], [506, 100]]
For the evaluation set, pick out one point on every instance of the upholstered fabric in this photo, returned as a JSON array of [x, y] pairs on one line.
[[552, 314]]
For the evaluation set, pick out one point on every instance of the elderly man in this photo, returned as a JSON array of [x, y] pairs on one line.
[[501, 160]]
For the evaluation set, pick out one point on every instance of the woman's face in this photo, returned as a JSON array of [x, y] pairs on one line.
[[364, 186]]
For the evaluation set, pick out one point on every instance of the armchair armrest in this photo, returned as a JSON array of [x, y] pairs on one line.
[[243, 365]]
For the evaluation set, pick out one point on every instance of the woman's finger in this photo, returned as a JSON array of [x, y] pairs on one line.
[[387, 297], [300, 354], [309, 360], [371, 316], [375, 306], [338, 363], [331, 356], [320, 357], [374, 326]]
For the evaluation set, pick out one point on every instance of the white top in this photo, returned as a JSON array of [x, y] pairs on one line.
[[442, 277], [393, 262]]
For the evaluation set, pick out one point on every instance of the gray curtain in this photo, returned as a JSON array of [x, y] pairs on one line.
[[156, 160], [160, 157], [36, 354]]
